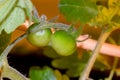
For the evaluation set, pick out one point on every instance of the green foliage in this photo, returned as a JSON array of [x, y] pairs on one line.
[[13, 21], [13, 14], [75, 32], [78, 32], [27, 6], [46, 73], [4, 40], [5, 8], [75, 71], [108, 14], [65, 62], [78, 10], [41, 74], [59, 76], [73, 64]]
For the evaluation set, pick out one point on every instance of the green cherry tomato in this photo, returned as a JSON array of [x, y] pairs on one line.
[[40, 38], [63, 43]]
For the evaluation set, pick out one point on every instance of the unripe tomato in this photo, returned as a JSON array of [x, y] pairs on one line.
[[40, 38], [63, 43]]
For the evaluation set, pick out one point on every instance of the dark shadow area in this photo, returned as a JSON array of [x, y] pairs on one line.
[[23, 64]]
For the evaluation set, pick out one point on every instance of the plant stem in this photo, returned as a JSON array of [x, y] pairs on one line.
[[116, 59], [113, 69], [12, 73], [9, 47], [9, 71], [88, 68]]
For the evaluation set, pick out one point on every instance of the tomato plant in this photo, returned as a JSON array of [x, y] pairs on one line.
[[60, 38]]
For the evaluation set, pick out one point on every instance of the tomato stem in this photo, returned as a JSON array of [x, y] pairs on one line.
[[104, 35]]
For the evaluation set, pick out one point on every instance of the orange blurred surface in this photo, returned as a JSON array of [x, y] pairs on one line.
[[50, 8], [47, 7]]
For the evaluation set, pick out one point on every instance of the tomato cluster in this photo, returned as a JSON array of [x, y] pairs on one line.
[[61, 41]]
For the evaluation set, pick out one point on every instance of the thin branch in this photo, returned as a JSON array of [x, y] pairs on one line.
[[11, 73], [9, 47], [88, 68], [7, 70], [116, 59]]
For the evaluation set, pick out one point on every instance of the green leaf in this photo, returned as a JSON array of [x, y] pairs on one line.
[[21, 3], [74, 64], [76, 70], [65, 62], [28, 6], [13, 13], [78, 32], [59, 76], [5, 8], [16, 18], [41, 74], [78, 10], [4, 40], [61, 63], [25, 4], [65, 77]]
